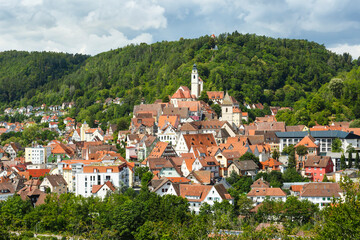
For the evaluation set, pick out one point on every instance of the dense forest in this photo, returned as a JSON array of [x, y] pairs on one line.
[[277, 72]]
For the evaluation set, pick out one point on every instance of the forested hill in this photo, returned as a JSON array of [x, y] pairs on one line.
[[253, 68], [22, 73]]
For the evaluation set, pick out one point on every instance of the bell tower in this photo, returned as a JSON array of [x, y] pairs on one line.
[[195, 85]]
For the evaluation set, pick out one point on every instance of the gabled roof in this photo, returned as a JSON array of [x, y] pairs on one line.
[[260, 183], [194, 106], [223, 192], [231, 154], [215, 95], [266, 192], [246, 165], [271, 163], [200, 191], [156, 163], [183, 112], [96, 188], [321, 190], [199, 139], [173, 120], [204, 177], [158, 150], [56, 180], [307, 141], [318, 161], [183, 92]]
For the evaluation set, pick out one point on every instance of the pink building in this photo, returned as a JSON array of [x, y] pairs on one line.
[[317, 166]]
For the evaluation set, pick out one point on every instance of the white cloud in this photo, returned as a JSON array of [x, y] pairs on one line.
[[95, 26], [354, 50], [78, 26]]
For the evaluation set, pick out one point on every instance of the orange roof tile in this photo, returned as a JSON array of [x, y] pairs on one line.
[[158, 150], [172, 119], [199, 139], [307, 141]]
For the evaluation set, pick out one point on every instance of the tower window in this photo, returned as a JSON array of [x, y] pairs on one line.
[[226, 109], [194, 76]]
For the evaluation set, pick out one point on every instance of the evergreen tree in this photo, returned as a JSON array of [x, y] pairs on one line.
[[342, 162], [325, 179], [357, 160], [350, 160]]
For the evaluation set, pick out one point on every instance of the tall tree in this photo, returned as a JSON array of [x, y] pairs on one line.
[[357, 160], [336, 145], [342, 162], [275, 154]]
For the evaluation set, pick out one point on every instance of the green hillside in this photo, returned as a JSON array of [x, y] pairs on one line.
[[252, 68], [22, 73]]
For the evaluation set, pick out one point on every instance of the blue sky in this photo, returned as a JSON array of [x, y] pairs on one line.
[[91, 27]]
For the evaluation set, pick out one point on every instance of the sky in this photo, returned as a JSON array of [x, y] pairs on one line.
[[92, 27]]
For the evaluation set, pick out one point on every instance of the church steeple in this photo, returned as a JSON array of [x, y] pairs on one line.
[[195, 86]]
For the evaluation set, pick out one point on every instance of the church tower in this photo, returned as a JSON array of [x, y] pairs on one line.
[[195, 83], [227, 109], [83, 129]]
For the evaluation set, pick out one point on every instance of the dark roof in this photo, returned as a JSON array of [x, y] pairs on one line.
[[246, 165], [56, 180], [319, 134], [317, 161]]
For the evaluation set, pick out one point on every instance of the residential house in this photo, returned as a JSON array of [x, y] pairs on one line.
[[216, 96], [182, 94], [183, 113], [186, 141], [321, 194], [197, 195], [143, 126], [312, 146], [244, 168], [55, 183], [162, 150], [164, 186], [258, 195], [316, 167], [201, 177], [12, 149], [271, 165], [102, 190], [168, 134]]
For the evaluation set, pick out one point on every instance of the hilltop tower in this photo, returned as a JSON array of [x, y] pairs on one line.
[[196, 83]]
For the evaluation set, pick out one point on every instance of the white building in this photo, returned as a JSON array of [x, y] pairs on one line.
[[196, 83], [37, 155], [321, 193], [258, 195], [98, 175], [196, 195], [324, 138]]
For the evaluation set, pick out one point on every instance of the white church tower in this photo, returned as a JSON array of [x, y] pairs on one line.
[[196, 83]]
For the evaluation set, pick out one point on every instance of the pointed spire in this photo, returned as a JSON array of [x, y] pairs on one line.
[[227, 99]]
